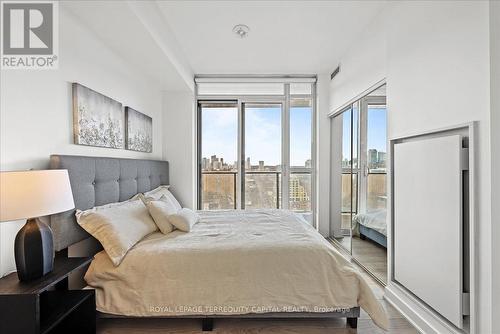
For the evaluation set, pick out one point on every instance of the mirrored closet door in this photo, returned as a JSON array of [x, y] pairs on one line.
[[358, 208], [344, 201]]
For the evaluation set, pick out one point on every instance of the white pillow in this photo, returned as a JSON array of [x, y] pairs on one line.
[[157, 192], [160, 211], [174, 201], [117, 226], [161, 191], [184, 219], [146, 199]]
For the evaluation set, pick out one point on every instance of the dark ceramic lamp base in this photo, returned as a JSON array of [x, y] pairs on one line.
[[34, 250]]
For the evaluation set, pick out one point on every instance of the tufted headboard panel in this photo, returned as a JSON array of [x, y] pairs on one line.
[[97, 181]]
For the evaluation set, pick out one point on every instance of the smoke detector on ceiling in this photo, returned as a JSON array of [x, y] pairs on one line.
[[241, 30]]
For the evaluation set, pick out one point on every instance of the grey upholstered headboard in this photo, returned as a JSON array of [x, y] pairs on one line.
[[97, 181]]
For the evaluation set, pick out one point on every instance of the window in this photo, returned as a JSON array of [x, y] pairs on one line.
[[263, 155], [300, 154], [349, 165], [376, 157], [219, 151], [255, 149]]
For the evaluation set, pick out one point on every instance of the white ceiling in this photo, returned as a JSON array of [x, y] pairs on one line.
[[116, 24], [170, 40], [286, 37]]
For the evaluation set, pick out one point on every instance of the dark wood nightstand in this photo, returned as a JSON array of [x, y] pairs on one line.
[[46, 305]]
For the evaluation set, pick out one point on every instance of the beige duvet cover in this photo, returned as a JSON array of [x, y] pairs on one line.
[[232, 262]]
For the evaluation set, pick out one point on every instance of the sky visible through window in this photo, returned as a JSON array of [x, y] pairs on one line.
[[377, 129], [220, 133], [262, 134], [300, 135], [376, 132]]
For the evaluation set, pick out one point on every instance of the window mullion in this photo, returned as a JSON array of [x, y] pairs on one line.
[[285, 150], [240, 188]]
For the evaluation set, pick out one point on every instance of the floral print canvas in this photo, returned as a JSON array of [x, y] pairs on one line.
[[139, 131], [98, 120]]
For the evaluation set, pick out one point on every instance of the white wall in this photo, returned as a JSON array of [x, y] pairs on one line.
[[438, 76], [435, 56], [179, 144], [36, 111], [362, 66], [495, 156]]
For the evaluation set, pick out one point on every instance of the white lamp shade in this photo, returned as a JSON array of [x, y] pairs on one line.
[[37, 193]]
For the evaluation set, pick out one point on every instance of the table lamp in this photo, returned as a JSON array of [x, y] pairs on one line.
[[28, 195]]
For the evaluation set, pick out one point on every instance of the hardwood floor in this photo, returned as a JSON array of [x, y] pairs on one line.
[[398, 325], [369, 254], [372, 256], [249, 326]]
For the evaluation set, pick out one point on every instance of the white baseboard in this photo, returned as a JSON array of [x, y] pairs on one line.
[[419, 315]]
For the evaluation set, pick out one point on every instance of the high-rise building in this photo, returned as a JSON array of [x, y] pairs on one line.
[[247, 164], [372, 158], [382, 157], [297, 191], [261, 164], [216, 165], [308, 163]]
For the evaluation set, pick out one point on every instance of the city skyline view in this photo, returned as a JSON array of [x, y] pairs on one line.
[[376, 125], [262, 134], [263, 149], [215, 163]]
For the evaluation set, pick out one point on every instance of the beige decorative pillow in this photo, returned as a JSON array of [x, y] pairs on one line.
[[117, 226], [184, 219], [160, 211]]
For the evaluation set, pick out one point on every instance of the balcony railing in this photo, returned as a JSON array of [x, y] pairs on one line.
[[376, 191], [262, 190], [218, 190]]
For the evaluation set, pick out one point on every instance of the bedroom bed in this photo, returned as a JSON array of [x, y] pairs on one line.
[[372, 226], [259, 263]]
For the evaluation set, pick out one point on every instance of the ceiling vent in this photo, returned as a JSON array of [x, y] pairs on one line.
[[335, 72]]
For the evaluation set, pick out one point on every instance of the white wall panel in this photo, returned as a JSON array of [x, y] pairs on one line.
[[179, 144], [428, 222]]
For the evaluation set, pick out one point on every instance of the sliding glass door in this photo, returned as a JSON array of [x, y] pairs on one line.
[[256, 151], [252, 132], [262, 155]]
